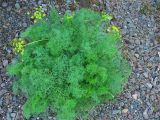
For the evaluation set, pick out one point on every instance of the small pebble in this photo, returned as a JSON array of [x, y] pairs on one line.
[[137, 55], [135, 96], [8, 117], [115, 112], [125, 110], [145, 114], [39, 2], [145, 75], [1, 102], [24, 24], [130, 117], [2, 92], [149, 85], [5, 63], [43, 5], [159, 54], [13, 115], [10, 110], [9, 8], [17, 6], [137, 42], [4, 4], [2, 85]]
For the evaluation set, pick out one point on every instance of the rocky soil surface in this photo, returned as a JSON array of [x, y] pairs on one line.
[[141, 35], [140, 28]]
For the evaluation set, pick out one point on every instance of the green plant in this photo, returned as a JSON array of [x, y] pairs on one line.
[[69, 64]]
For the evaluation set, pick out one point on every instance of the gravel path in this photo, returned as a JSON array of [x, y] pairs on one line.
[[141, 34]]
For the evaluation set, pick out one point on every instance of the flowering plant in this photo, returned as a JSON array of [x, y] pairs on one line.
[[69, 64]]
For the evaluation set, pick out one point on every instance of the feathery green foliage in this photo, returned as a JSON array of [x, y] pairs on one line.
[[74, 66]]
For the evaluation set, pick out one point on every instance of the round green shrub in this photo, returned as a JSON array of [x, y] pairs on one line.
[[69, 64]]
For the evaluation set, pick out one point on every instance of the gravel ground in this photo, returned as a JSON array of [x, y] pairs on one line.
[[141, 34], [141, 97]]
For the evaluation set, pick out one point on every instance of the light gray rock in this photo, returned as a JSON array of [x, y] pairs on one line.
[[2, 85], [1, 101], [17, 6], [0, 80], [40, 2], [13, 115], [137, 55], [137, 42], [9, 8], [149, 85], [116, 112], [4, 4], [24, 24], [5, 63], [145, 114], [10, 110], [145, 75], [2, 92], [8, 117]]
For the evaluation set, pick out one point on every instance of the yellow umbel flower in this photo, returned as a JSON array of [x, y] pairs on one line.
[[18, 44], [113, 29], [106, 17], [38, 14]]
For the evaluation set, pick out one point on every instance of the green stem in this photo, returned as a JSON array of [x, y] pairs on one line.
[[34, 42]]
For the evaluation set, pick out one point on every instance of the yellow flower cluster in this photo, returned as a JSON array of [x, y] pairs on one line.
[[106, 17], [18, 44], [69, 17], [113, 29], [38, 14]]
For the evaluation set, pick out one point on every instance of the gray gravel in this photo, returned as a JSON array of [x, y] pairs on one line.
[[141, 97]]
